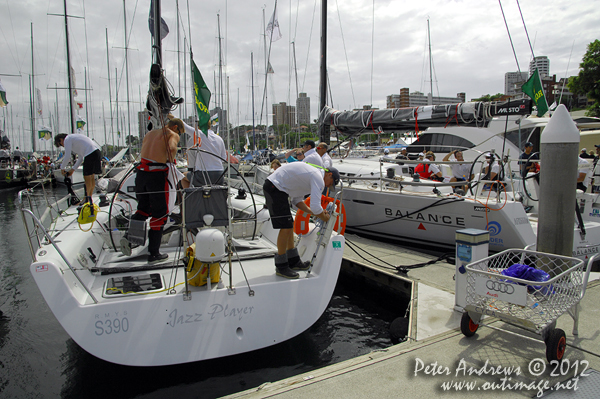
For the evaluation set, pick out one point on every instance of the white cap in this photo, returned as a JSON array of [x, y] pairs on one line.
[[386, 151], [421, 154], [584, 150]]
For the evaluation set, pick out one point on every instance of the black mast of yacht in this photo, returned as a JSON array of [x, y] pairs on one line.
[[323, 129]]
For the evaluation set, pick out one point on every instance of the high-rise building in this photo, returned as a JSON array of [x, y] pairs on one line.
[[303, 108], [284, 114], [543, 66], [513, 82], [417, 99]]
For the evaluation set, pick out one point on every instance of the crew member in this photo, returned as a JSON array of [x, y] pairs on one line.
[[322, 151], [88, 153], [17, 155], [460, 172], [584, 174], [310, 154], [525, 160], [429, 170], [151, 184], [294, 180]]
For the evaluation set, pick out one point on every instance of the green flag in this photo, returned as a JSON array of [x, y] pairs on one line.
[[533, 88], [202, 96]]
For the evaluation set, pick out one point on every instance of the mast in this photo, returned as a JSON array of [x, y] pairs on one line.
[[323, 133], [73, 125], [117, 104], [156, 40], [87, 125], [32, 95], [297, 94], [57, 128], [252, 74], [178, 52], [430, 99], [126, 71], [220, 97], [109, 91]]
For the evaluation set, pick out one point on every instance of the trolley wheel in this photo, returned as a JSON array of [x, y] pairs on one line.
[[467, 327], [555, 345]]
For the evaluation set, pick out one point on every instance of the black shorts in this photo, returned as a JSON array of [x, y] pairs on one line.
[[279, 206], [92, 165]]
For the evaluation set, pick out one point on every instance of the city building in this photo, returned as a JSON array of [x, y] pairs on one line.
[[417, 99], [513, 82], [303, 108], [543, 66], [284, 114]]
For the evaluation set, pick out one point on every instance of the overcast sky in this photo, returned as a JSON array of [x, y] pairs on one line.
[[375, 48]]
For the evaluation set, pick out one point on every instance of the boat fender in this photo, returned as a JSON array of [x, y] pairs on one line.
[[198, 271], [88, 213], [301, 220]]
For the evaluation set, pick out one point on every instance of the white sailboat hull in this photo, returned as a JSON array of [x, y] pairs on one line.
[[161, 325]]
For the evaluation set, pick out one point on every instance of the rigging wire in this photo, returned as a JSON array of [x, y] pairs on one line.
[[509, 36], [309, 42], [347, 62], [527, 33]]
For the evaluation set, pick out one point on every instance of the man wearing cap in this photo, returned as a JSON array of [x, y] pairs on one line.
[[525, 160], [585, 155], [310, 154], [294, 180], [403, 154], [325, 158]]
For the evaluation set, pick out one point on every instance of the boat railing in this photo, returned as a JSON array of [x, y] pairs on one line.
[[40, 232], [393, 182]]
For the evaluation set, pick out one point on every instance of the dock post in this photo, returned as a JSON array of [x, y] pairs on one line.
[[558, 181], [472, 245]]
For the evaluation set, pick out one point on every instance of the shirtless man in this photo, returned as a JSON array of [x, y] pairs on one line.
[[151, 185]]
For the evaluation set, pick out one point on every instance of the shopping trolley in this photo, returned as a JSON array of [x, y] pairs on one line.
[[532, 305]]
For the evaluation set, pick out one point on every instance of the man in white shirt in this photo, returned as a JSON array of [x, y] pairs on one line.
[[310, 154], [213, 165], [88, 153], [584, 175], [294, 180], [322, 151]]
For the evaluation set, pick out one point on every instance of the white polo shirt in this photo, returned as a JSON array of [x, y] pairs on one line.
[[210, 142], [297, 179], [327, 162], [312, 156]]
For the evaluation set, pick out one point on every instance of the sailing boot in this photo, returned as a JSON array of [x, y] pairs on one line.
[[154, 237], [282, 267], [294, 260]]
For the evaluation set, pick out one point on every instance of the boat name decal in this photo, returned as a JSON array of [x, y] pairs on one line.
[[586, 250], [522, 220], [426, 217], [216, 310], [108, 323]]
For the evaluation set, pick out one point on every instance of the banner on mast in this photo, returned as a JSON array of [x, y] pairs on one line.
[[202, 98], [3, 101], [533, 88], [39, 101], [273, 27], [45, 133], [164, 29]]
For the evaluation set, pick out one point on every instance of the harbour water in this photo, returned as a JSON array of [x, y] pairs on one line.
[[39, 360]]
